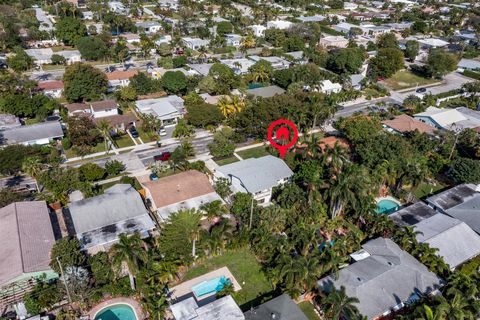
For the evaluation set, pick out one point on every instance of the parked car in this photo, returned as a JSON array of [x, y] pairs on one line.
[[421, 90], [162, 132], [164, 156], [133, 132]]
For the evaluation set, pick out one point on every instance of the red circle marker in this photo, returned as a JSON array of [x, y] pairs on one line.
[[286, 127]]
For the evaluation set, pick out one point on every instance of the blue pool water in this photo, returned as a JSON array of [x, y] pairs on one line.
[[210, 286], [116, 312], [386, 206]]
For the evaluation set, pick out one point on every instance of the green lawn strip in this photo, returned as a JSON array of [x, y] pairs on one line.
[[309, 310], [244, 267], [424, 189], [123, 141], [146, 137], [70, 153], [253, 153], [224, 161], [405, 79]]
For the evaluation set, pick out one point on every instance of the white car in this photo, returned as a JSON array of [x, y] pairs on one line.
[[162, 132]]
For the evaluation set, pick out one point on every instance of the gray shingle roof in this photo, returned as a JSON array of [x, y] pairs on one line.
[[26, 238], [468, 212], [256, 174], [34, 132], [385, 279], [455, 240], [220, 309], [453, 196], [266, 92], [282, 307], [101, 219]]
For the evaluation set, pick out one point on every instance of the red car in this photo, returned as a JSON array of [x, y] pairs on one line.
[[164, 156]]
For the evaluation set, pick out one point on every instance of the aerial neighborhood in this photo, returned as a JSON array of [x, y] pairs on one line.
[[239, 160]]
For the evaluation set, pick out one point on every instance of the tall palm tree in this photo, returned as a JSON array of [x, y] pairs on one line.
[[129, 252], [338, 305], [32, 166], [104, 127], [214, 209], [229, 105]]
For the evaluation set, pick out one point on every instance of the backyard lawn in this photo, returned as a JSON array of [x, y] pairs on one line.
[[224, 161], [253, 153], [309, 310], [246, 270], [405, 79], [424, 189]]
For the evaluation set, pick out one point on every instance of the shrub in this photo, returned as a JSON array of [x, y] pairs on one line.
[[91, 172]]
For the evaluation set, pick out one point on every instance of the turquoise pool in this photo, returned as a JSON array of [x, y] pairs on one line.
[[210, 286], [116, 312], [386, 206]]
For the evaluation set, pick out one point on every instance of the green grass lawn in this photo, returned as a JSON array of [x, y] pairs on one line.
[[253, 153], [309, 310], [405, 79], [145, 136], [123, 141], [70, 153], [246, 270], [424, 189], [224, 161]]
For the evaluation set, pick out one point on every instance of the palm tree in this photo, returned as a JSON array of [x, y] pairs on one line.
[[338, 305], [214, 209], [32, 166], [129, 252], [104, 127], [229, 105]]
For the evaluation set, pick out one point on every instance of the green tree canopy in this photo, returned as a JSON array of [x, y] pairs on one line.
[[348, 60], [439, 63], [69, 30], [68, 252], [92, 48], [174, 82], [386, 62], [20, 61], [83, 82]]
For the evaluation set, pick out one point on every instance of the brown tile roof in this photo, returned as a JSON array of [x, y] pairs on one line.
[[332, 141], [121, 75], [26, 238], [404, 123], [72, 107], [178, 188], [103, 105], [50, 85], [118, 119]]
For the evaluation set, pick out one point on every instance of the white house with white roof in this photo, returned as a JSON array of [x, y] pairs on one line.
[[450, 119], [239, 66], [168, 109], [279, 24], [256, 176], [195, 43], [258, 30], [327, 86], [233, 40], [276, 62]]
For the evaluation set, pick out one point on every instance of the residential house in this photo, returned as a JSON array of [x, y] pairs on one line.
[[327, 86], [356, 81], [27, 238], [333, 42], [157, 73], [44, 55], [351, 6], [384, 278], [40, 134], [239, 66], [404, 123], [195, 43], [460, 202], [51, 88], [200, 68], [169, 4], [279, 24], [455, 240], [429, 43], [168, 109], [77, 108], [163, 39], [258, 30], [220, 309], [119, 78], [276, 62], [281, 307], [8, 121], [119, 122], [468, 64], [97, 222], [149, 27], [314, 18], [450, 119], [297, 57], [104, 108], [45, 20], [266, 92], [71, 56], [186, 190], [256, 176], [211, 99], [117, 7], [234, 40]]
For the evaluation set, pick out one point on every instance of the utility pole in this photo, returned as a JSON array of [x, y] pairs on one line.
[[65, 282]]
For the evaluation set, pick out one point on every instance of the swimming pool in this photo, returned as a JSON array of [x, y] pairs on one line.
[[386, 206], [116, 312], [210, 286]]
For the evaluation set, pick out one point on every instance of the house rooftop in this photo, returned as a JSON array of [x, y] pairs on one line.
[[121, 75], [385, 279], [103, 105], [455, 240], [443, 117], [281, 307], [266, 92], [101, 219], [34, 132], [179, 188], [404, 123], [412, 214], [27, 238], [220, 309], [454, 196], [256, 174], [50, 85]]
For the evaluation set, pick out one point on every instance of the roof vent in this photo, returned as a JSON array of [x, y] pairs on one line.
[[389, 263], [273, 315], [359, 279]]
